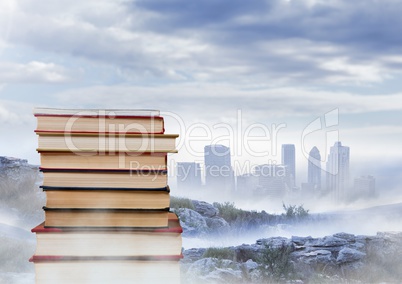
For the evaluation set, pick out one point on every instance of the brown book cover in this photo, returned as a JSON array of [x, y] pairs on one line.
[[93, 178], [93, 198], [106, 160], [70, 217], [98, 120], [107, 142]]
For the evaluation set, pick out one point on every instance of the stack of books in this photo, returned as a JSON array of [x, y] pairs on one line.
[[107, 216]]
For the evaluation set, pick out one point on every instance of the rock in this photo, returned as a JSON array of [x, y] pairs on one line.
[[246, 252], [205, 209], [328, 241], [11, 162], [300, 241], [275, 242], [217, 224], [345, 236], [250, 265], [223, 276], [192, 222], [348, 255], [317, 256], [205, 266], [193, 254]]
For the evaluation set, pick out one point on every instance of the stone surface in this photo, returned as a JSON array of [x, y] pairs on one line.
[[329, 258], [205, 209], [192, 222], [217, 225], [348, 255]]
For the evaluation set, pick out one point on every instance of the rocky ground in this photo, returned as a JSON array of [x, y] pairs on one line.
[[338, 258]]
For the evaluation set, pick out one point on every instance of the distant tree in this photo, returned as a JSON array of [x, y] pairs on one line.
[[294, 211]]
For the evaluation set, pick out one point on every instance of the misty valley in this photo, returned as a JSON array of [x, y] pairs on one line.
[[223, 243]]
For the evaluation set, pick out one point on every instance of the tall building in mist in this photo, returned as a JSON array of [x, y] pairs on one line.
[[314, 169], [364, 186], [338, 171], [188, 176], [246, 185], [218, 168], [272, 180], [289, 160]]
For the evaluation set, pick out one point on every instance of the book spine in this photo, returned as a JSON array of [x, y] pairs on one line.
[[56, 188]]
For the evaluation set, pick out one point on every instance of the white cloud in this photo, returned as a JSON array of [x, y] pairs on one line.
[[32, 72]]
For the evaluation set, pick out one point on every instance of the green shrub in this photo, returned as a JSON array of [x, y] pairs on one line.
[[219, 253], [229, 211], [181, 202], [275, 262], [293, 211]]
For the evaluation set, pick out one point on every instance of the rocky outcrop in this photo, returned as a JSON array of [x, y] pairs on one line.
[[334, 258], [205, 209], [20, 192], [192, 222], [203, 219]]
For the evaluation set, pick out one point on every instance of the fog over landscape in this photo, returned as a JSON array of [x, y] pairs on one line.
[[247, 75]]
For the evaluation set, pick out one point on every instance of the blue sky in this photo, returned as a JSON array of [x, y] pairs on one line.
[[277, 62]]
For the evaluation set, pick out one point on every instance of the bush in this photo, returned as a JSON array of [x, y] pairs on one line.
[[275, 262], [181, 202], [219, 253], [228, 211], [295, 212]]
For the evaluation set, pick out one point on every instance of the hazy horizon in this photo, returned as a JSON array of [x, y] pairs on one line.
[[308, 72]]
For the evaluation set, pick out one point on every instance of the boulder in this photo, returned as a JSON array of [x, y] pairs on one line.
[[203, 267], [348, 255], [217, 224], [193, 254], [327, 241], [192, 222], [223, 276], [205, 209], [317, 257]]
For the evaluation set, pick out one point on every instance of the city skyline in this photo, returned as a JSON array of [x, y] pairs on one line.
[[273, 180]]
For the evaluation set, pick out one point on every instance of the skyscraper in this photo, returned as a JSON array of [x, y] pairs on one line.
[[314, 169], [364, 186], [338, 170], [188, 176], [272, 180], [218, 169], [289, 160]]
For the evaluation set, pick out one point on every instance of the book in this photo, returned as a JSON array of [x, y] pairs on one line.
[[119, 179], [99, 121], [50, 270], [107, 198], [119, 218], [107, 142], [109, 160], [95, 242], [95, 112]]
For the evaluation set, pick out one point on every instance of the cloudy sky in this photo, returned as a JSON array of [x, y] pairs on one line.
[[316, 70]]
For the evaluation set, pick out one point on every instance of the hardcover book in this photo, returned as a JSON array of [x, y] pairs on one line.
[[68, 217], [105, 161], [108, 142], [109, 198], [81, 178], [109, 242], [60, 270]]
